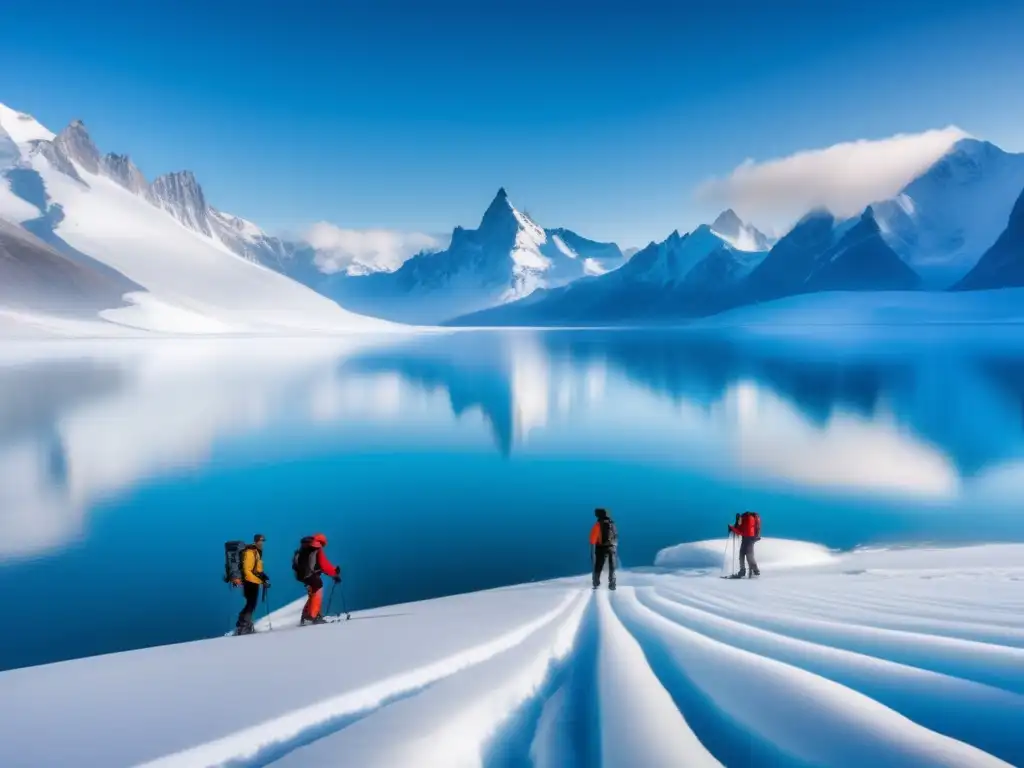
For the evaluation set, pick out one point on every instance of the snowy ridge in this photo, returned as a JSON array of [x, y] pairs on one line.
[[901, 657], [739, 234], [158, 241], [944, 221], [680, 276]]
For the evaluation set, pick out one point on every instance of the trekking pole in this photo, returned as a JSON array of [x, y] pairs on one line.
[[330, 598], [344, 603], [266, 605], [725, 554]]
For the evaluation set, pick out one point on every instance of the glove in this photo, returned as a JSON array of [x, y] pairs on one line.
[[266, 583], [337, 578]]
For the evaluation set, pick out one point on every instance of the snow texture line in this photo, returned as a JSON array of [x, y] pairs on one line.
[[995, 665], [789, 705], [962, 709], [248, 743], [639, 722]]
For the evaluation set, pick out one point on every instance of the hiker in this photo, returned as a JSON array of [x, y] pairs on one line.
[[604, 538], [253, 578], [748, 528], [309, 563]]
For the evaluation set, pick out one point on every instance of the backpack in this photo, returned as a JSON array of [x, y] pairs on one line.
[[609, 533], [757, 523], [304, 561], [233, 561]]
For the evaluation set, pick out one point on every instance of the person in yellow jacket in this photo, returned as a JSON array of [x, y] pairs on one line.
[[253, 578]]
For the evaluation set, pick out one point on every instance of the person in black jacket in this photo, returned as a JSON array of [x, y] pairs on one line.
[[604, 540]]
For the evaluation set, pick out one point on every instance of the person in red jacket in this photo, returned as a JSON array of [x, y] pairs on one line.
[[748, 527], [310, 564]]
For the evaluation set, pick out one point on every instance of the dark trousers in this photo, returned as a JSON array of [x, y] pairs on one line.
[[747, 555], [252, 599], [601, 556]]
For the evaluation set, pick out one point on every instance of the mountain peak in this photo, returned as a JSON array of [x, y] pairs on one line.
[[180, 195], [727, 222], [742, 236], [74, 141], [121, 169], [499, 215]]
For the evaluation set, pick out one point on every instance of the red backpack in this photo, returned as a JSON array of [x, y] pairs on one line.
[[750, 524]]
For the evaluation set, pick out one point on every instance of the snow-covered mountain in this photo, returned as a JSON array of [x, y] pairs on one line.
[[681, 276], [823, 254], [1002, 266], [161, 243], [944, 220], [742, 236], [506, 258]]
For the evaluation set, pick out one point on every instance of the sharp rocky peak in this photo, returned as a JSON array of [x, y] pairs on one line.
[[728, 223], [76, 144], [499, 217], [121, 169], [181, 196]]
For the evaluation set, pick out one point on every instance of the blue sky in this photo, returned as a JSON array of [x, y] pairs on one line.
[[601, 116]]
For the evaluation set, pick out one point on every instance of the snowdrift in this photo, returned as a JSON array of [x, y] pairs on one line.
[[715, 554], [883, 658]]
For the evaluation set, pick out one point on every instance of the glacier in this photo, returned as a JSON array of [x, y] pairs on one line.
[[888, 657]]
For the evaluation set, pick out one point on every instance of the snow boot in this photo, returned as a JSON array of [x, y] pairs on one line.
[[739, 575], [244, 629], [612, 586], [318, 620]]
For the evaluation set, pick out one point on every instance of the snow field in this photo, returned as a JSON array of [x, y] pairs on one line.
[[880, 658], [780, 553]]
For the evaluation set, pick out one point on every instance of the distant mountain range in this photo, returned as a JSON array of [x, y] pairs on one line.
[[91, 221], [955, 226], [508, 257]]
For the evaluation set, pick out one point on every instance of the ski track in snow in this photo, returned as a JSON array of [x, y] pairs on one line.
[[856, 662]]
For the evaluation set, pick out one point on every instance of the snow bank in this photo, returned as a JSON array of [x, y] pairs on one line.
[[716, 553], [809, 314], [884, 657]]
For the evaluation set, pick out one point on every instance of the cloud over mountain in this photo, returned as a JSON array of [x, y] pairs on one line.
[[366, 250], [842, 178]]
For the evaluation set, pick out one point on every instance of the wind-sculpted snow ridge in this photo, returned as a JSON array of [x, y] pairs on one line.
[[909, 657]]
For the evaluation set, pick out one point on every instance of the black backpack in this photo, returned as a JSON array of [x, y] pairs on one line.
[[304, 561], [609, 533], [233, 561]]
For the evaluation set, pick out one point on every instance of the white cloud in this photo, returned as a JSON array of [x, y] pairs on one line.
[[358, 251], [843, 178]]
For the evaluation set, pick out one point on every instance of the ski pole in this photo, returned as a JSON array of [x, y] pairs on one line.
[[344, 603], [725, 554], [330, 598], [266, 605]]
